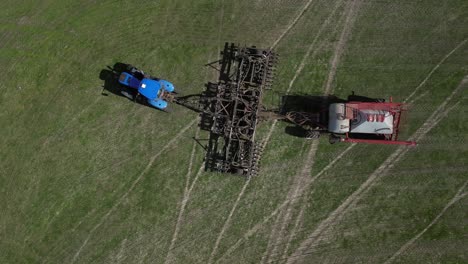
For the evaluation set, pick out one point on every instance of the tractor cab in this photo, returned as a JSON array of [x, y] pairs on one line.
[[129, 80], [157, 91]]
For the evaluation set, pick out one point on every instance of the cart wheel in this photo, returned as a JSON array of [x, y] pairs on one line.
[[312, 134], [239, 171]]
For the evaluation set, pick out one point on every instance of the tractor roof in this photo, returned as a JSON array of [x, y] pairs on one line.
[[149, 88]]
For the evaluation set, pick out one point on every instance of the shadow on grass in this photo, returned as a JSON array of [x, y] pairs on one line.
[[305, 113], [110, 76]]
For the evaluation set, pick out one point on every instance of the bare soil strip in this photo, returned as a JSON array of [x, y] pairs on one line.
[[458, 196], [135, 182], [321, 231]]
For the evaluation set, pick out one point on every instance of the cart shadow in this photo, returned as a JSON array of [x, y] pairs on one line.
[[304, 103]]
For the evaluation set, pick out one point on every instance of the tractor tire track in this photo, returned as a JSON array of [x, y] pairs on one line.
[[252, 231], [439, 112], [458, 196], [201, 237], [272, 236], [296, 190], [307, 185], [279, 208], [72, 194], [292, 24], [340, 47], [270, 131], [221, 20], [292, 234], [266, 219], [132, 186], [314, 238], [435, 69], [228, 221], [184, 201], [120, 255], [180, 218], [258, 226], [34, 180], [311, 52], [188, 190], [302, 177], [335, 217]]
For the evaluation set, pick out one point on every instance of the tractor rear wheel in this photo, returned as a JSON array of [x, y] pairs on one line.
[[130, 68]]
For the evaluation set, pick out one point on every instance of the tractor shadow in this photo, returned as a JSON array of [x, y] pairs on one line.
[[110, 76]]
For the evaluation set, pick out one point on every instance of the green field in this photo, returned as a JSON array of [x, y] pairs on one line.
[[86, 178]]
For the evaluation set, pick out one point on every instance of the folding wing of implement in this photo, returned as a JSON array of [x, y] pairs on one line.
[[232, 106]]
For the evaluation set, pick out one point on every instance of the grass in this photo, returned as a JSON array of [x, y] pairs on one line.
[[68, 155]]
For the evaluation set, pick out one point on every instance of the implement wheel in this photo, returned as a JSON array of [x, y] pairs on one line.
[[312, 134]]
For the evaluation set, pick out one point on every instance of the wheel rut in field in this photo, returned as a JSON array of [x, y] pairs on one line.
[[185, 198], [324, 228], [303, 176], [458, 196], [132, 186], [310, 51]]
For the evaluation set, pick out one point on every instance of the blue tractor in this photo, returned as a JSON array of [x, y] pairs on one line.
[[157, 92]]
